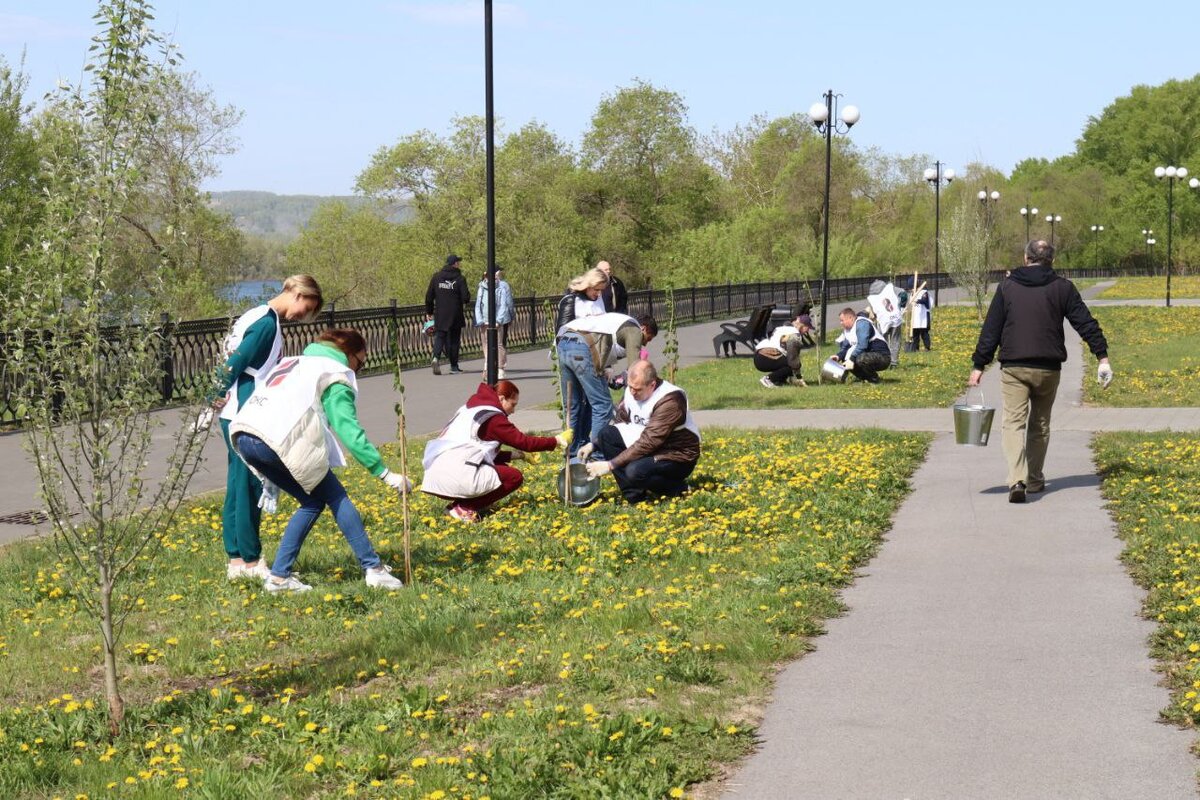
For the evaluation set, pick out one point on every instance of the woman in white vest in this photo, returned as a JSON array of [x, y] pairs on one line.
[[921, 314], [654, 444], [465, 464], [251, 350], [286, 433], [779, 354]]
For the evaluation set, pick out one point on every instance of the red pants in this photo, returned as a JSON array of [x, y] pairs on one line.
[[510, 480]]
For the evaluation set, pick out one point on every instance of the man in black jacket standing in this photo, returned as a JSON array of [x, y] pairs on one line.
[[615, 297], [445, 299], [1026, 321]]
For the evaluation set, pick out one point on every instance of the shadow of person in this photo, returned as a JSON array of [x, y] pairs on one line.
[[1087, 480]]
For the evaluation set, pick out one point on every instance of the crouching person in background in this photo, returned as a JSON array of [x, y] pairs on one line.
[[285, 433], [653, 444], [864, 351]]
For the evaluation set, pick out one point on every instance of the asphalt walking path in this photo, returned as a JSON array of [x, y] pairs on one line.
[[990, 650]]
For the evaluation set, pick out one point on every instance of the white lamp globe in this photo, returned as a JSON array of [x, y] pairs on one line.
[[949, 174], [1159, 172], [1181, 172], [1025, 211], [818, 113], [982, 195], [1100, 228], [995, 195], [1193, 183], [1058, 217], [850, 115], [1049, 218], [1170, 172], [931, 174], [1034, 211]]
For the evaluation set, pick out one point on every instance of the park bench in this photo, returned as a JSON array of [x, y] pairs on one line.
[[748, 331]]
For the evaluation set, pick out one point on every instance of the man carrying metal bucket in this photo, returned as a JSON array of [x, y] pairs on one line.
[[1025, 320], [653, 444]]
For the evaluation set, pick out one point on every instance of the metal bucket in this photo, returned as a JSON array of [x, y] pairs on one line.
[[833, 370], [973, 423], [584, 488]]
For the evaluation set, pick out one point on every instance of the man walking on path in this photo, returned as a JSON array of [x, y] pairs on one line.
[[444, 301], [1025, 320]]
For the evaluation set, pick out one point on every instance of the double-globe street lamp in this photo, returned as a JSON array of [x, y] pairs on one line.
[[1053, 219], [1171, 173], [937, 175], [1028, 213], [826, 120], [987, 200], [1096, 231]]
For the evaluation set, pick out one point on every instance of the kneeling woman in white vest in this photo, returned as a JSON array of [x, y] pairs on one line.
[[285, 434], [654, 443], [465, 464]]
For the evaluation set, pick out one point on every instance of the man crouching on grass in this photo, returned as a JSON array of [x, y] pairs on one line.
[[653, 444]]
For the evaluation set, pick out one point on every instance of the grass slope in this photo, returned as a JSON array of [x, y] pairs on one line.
[[1155, 353]]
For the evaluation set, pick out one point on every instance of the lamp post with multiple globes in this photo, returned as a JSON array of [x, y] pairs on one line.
[[937, 175], [826, 120]]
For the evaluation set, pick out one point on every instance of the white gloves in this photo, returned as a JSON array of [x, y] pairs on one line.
[[848, 364], [596, 469], [269, 501], [565, 438], [1104, 374], [585, 452], [400, 483]]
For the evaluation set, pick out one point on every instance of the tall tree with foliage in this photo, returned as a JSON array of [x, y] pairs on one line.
[[20, 183], [86, 357]]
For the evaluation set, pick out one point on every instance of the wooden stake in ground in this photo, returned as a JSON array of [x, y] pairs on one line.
[[567, 452], [401, 436]]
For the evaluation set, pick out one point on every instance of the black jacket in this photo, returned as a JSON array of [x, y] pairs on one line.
[[615, 296], [1026, 321], [565, 312], [445, 298]]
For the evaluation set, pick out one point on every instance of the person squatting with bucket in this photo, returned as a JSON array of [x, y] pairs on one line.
[[285, 434], [465, 464], [251, 350], [863, 351]]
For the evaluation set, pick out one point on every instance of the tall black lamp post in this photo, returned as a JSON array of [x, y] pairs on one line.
[[1171, 173], [937, 175], [1053, 219], [1028, 212], [1096, 231], [826, 121], [988, 201], [492, 365]]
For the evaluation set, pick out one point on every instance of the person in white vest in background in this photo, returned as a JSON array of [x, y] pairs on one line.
[[863, 351], [285, 433], [654, 443], [251, 350], [588, 350], [921, 314], [779, 354], [465, 464]]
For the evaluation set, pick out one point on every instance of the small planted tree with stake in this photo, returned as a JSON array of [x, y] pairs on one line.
[[88, 361]]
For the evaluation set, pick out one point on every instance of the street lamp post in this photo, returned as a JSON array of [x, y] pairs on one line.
[[1028, 213], [937, 175], [1053, 219], [825, 120], [1150, 251], [987, 200], [1096, 231], [1148, 232], [1171, 173]]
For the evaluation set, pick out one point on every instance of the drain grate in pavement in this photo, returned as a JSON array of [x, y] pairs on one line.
[[34, 517]]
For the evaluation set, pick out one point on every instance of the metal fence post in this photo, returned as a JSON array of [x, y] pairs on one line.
[[533, 337], [395, 337], [166, 357], [332, 313]]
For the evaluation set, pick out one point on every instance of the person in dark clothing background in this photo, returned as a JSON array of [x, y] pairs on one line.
[[445, 299], [615, 297], [1025, 320]]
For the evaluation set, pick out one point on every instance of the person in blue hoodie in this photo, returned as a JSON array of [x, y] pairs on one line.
[[505, 312]]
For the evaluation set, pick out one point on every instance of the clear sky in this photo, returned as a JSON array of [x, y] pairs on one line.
[[325, 84]]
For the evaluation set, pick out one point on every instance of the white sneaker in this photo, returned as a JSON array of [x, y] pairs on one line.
[[289, 584], [381, 577], [235, 571], [260, 570], [436, 366], [500, 374], [765, 380]]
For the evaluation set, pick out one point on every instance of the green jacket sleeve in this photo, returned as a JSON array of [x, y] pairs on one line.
[[338, 401], [252, 352]]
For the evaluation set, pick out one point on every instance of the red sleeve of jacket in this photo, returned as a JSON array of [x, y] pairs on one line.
[[497, 428]]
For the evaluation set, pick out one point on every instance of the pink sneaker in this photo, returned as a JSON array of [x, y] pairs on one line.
[[464, 514]]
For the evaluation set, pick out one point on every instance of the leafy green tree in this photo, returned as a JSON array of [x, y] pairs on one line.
[[20, 182]]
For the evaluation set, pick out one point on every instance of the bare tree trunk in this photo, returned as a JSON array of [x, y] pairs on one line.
[[112, 691]]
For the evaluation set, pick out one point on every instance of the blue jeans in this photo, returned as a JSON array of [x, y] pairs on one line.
[[591, 404], [328, 492]]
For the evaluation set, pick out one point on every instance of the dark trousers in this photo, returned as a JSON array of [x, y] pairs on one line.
[[644, 477], [920, 335], [868, 366], [447, 343], [777, 369]]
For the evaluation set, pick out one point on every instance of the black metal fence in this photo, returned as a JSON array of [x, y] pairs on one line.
[[191, 348]]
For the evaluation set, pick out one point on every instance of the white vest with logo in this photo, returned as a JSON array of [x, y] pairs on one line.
[[231, 343], [776, 340], [920, 313], [639, 413], [458, 463], [285, 411], [607, 324], [851, 336]]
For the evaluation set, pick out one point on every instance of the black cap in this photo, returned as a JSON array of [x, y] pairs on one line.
[[452, 259]]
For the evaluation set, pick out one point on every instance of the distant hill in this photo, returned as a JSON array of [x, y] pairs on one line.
[[281, 216]]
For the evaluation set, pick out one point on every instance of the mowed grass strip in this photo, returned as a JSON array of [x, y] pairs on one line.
[[1150, 288], [610, 651], [1149, 481], [1155, 353], [923, 379]]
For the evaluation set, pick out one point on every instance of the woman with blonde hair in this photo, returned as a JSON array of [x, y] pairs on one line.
[[251, 350], [583, 298]]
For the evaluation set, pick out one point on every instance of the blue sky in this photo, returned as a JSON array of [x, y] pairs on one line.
[[325, 84]]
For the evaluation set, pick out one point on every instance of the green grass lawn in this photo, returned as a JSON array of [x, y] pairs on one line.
[[1182, 286], [1149, 481], [547, 652], [922, 380], [1155, 353]]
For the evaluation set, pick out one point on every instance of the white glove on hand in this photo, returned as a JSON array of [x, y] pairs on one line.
[[1104, 374], [400, 483], [849, 365], [269, 501], [585, 452], [597, 469]]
